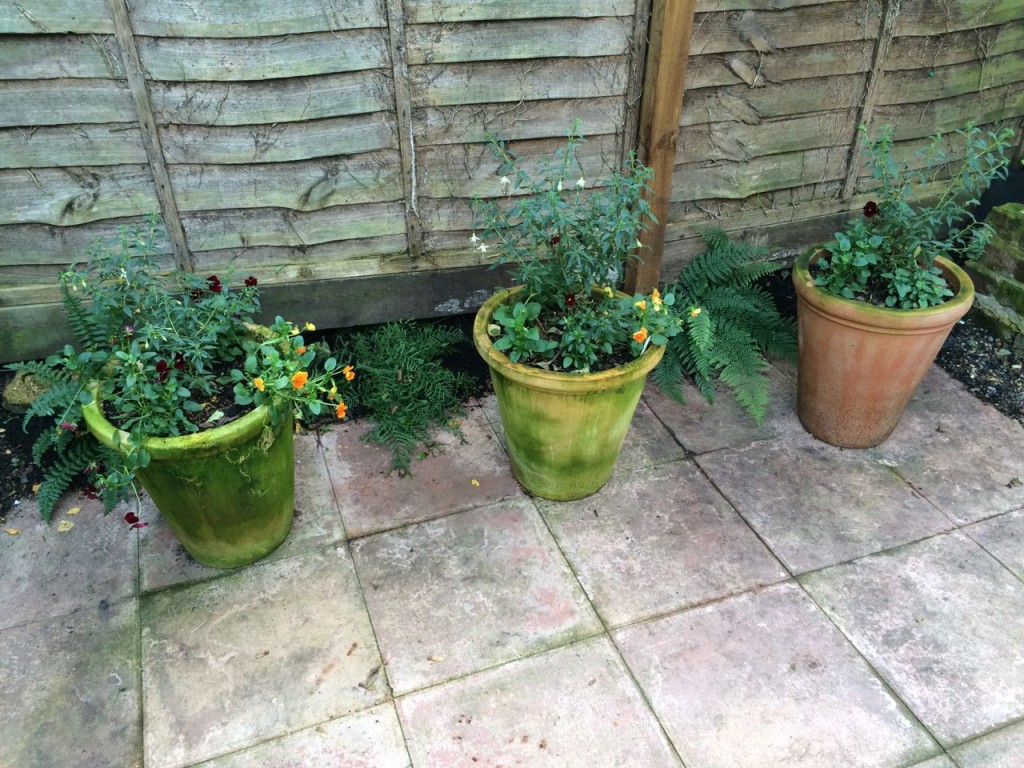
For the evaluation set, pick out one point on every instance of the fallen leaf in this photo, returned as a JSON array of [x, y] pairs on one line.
[[12, 531], [435, 658], [370, 678], [64, 526], [475, 483], [74, 510], [36, 487]]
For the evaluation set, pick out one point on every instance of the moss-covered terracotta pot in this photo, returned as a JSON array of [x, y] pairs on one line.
[[860, 364], [564, 430], [227, 493]]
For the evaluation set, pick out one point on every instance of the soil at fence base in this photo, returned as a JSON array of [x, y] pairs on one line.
[[989, 368]]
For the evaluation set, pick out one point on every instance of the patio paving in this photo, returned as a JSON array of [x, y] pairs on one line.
[[736, 596]]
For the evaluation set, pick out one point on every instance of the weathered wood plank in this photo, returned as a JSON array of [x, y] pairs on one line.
[[229, 18], [46, 244], [277, 142], [955, 48], [75, 195], [915, 121], [40, 57], [733, 181], [739, 103], [782, 66], [66, 145], [469, 170], [925, 17], [503, 82], [821, 24], [260, 227], [709, 6], [64, 101], [54, 17], [915, 86], [450, 11], [739, 142], [535, 39], [302, 186], [466, 124], [272, 101], [240, 59]]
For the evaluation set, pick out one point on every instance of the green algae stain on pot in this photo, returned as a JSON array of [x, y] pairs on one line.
[[564, 430], [227, 493]]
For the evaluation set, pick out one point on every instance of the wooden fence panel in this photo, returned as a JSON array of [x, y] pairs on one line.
[[332, 148]]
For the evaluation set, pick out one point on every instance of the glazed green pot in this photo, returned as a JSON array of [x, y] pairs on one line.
[[227, 493], [564, 430]]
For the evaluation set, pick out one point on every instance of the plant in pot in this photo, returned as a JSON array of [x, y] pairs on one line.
[[568, 353], [876, 303], [173, 385]]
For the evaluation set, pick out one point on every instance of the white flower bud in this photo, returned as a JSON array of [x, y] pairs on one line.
[[581, 183]]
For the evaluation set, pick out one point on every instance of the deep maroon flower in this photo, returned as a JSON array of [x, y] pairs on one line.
[[570, 300], [161, 370], [179, 361], [69, 426], [90, 491], [870, 208], [133, 521], [214, 282], [250, 281], [555, 240]]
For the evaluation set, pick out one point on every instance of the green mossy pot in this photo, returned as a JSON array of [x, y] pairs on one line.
[[227, 493], [564, 430], [859, 363]]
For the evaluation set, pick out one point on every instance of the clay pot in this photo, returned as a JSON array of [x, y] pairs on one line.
[[859, 363]]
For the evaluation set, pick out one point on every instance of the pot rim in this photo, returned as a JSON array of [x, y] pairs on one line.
[[236, 432], [538, 378], [863, 313]]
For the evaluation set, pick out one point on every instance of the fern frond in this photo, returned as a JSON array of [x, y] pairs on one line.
[[78, 455]]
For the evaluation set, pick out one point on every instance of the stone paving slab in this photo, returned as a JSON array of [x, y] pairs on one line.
[[764, 680], [163, 561], [963, 455], [467, 592], [1000, 749], [817, 505], [255, 654], [943, 622], [69, 690], [1003, 538], [574, 707], [454, 477], [701, 427], [50, 569], [658, 540], [368, 739]]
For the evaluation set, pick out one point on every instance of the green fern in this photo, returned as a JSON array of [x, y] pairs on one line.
[[737, 327], [404, 386]]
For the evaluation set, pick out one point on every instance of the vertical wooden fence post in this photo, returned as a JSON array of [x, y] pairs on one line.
[[150, 136], [660, 110]]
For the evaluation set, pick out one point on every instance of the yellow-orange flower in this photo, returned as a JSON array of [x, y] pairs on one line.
[[349, 373], [656, 299], [309, 327], [341, 410], [299, 379], [642, 305], [333, 393], [294, 330], [258, 383], [640, 336], [300, 350], [695, 311]]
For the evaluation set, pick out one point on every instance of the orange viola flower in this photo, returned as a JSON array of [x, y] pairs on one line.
[[300, 350], [341, 410], [640, 336], [258, 383], [349, 373], [299, 379]]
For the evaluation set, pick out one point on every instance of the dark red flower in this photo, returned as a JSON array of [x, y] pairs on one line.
[[250, 281], [161, 370], [570, 300], [90, 491], [69, 426], [555, 240], [870, 208], [179, 361], [131, 518], [214, 282]]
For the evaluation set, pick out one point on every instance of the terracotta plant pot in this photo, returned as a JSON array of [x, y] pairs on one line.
[[564, 430], [227, 493], [860, 364]]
